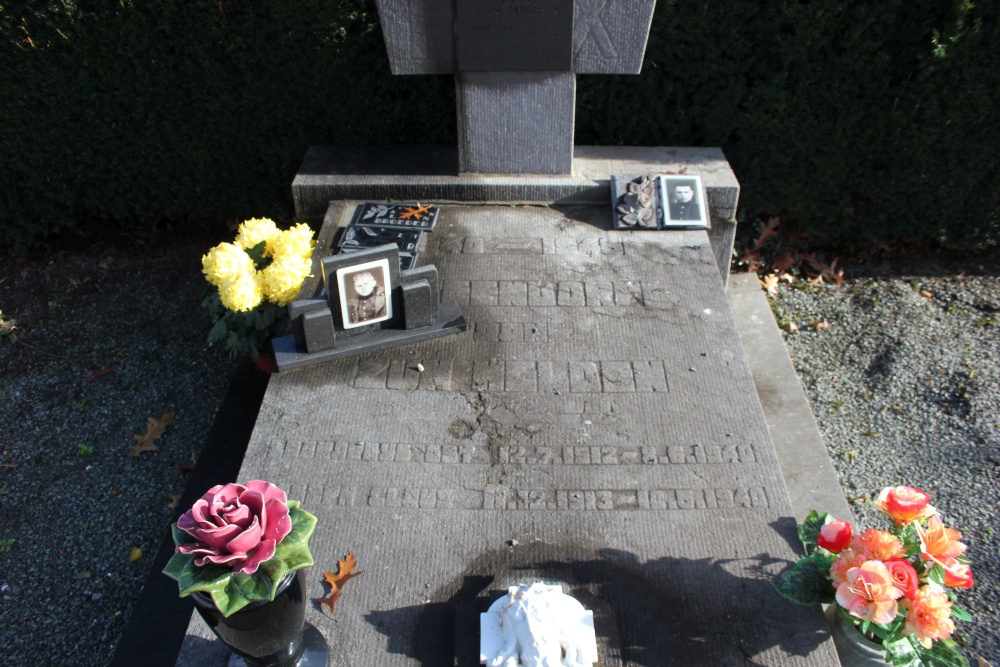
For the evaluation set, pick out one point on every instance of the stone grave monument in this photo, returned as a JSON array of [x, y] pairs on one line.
[[596, 428], [515, 64]]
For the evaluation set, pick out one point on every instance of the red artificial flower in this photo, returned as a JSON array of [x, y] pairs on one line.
[[835, 536]]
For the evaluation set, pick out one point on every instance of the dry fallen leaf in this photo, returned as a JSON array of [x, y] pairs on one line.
[[751, 259], [174, 499], [783, 262], [154, 429], [101, 373], [767, 231], [790, 327], [831, 273], [770, 283], [982, 662], [813, 261], [927, 295], [822, 324], [186, 467], [345, 573], [134, 555]]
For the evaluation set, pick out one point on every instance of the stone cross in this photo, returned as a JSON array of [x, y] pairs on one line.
[[515, 64]]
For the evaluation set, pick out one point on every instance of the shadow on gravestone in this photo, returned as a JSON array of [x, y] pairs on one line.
[[659, 613], [788, 529]]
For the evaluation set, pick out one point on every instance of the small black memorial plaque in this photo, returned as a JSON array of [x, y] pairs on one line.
[[515, 35], [397, 216]]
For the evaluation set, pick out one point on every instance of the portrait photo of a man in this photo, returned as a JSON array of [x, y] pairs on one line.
[[363, 298], [682, 197]]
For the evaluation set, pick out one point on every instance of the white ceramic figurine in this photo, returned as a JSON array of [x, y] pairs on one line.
[[542, 627]]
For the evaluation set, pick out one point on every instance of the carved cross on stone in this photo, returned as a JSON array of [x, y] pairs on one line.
[[515, 64]]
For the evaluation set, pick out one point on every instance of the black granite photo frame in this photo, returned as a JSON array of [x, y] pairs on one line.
[[683, 200], [364, 298], [342, 264]]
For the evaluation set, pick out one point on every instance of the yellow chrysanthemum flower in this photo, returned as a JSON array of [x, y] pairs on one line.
[[255, 230], [225, 262], [283, 278], [244, 293], [296, 241]]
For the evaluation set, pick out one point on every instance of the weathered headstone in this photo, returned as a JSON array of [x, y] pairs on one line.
[[515, 64], [595, 427]]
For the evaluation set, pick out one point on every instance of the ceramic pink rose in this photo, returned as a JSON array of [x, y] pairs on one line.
[[236, 525]]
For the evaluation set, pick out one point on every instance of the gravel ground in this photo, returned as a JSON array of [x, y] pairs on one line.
[[71, 496], [905, 386], [902, 367]]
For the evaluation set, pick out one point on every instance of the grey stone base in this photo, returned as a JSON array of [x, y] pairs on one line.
[[515, 122], [450, 321], [431, 174]]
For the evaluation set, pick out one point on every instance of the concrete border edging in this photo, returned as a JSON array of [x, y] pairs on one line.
[[810, 478]]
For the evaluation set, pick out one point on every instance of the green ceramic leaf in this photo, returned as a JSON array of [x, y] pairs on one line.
[[296, 558], [180, 537], [303, 525], [275, 570], [175, 566], [208, 578], [253, 587], [228, 600], [807, 581]]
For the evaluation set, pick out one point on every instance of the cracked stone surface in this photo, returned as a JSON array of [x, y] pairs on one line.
[[595, 427]]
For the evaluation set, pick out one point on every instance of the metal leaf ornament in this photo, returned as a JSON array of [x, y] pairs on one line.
[[637, 210]]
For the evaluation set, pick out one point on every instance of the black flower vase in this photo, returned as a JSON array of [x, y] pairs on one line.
[[269, 634]]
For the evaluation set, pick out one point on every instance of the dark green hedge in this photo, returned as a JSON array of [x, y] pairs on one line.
[[860, 120]]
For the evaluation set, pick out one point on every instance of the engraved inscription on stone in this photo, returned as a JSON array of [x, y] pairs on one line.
[[515, 35], [499, 375], [564, 247], [626, 499], [541, 293], [592, 455], [506, 498]]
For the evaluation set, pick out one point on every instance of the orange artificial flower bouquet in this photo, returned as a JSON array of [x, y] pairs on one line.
[[896, 586]]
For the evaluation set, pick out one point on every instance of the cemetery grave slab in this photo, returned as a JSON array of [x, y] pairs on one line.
[[596, 426]]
